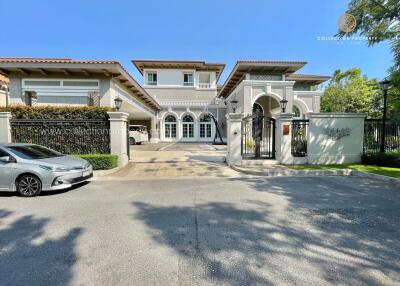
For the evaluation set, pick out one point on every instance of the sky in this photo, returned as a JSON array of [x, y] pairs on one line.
[[219, 31]]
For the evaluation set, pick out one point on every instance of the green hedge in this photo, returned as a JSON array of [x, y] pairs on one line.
[[57, 112], [390, 159], [101, 161]]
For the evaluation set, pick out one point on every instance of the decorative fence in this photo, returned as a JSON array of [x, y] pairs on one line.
[[299, 137], [373, 129], [258, 137], [65, 136]]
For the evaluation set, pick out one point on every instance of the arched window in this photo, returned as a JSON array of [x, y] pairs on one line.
[[187, 126], [205, 126], [296, 111], [170, 126]]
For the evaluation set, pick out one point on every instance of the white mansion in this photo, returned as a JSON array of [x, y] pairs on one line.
[[188, 91], [176, 97]]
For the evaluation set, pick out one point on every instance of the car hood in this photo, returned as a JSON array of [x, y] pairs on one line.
[[65, 161]]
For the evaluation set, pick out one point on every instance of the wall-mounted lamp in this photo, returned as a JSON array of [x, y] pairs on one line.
[[283, 104], [117, 103], [234, 105]]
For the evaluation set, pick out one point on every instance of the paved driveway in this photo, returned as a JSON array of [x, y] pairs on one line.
[[177, 152], [204, 231]]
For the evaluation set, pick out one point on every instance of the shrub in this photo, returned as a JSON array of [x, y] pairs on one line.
[[101, 161], [390, 159], [57, 112]]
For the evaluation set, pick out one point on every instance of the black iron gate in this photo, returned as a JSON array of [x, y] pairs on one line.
[[258, 137]]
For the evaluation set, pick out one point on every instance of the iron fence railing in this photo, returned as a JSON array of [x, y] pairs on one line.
[[65, 136], [258, 137], [299, 137], [373, 129]]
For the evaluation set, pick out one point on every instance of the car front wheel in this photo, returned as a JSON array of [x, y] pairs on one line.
[[132, 141], [29, 186]]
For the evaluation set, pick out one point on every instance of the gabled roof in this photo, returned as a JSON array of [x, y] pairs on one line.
[[254, 66], [179, 64], [69, 67]]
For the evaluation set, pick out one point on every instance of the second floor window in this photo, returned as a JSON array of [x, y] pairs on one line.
[[151, 78], [188, 79]]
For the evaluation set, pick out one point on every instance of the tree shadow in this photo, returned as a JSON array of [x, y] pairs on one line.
[[304, 237], [27, 258]]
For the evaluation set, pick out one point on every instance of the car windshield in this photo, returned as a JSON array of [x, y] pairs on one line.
[[33, 152]]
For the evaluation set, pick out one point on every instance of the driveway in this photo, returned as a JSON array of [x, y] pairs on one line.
[[205, 231], [177, 152]]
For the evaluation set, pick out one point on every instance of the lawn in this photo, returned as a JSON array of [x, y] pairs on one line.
[[386, 171]]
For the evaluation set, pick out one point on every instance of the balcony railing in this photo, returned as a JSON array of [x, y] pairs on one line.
[[204, 85]]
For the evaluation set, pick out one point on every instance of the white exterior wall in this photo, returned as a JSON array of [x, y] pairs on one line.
[[3, 99], [179, 100], [324, 150], [174, 77], [58, 95], [248, 91]]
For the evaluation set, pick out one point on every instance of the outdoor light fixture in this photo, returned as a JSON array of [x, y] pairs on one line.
[[234, 104], [118, 103], [283, 104], [385, 85]]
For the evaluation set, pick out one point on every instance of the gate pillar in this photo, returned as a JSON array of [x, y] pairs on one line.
[[234, 136], [284, 138], [119, 136], [5, 128]]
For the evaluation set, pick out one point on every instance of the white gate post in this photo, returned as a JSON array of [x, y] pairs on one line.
[[284, 138], [118, 136], [5, 127], [234, 136], [154, 132]]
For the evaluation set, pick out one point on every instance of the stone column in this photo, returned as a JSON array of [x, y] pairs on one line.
[[155, 134], [5, 128], [234, 138], [283, 136], [118, 136]]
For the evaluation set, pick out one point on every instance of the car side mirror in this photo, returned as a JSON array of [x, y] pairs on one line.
[[7, 159]]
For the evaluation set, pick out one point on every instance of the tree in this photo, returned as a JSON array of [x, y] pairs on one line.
[[379, 20], [350, 91]]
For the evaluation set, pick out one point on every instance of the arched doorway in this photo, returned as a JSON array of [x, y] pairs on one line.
[[170, 127], [187, 127], [269, 105]]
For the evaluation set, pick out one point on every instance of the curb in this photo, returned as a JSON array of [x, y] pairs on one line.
[[101, 173], [293, 173], [383, 178]]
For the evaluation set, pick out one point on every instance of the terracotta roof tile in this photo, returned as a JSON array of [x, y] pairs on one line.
[[53, 60]]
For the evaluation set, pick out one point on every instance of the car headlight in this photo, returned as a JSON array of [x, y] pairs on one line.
[[47, 168], [55, 169]]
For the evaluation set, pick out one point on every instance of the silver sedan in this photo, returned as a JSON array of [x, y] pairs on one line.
[[29, 169]]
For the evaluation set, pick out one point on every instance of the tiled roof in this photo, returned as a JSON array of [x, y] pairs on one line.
[[56, 61]]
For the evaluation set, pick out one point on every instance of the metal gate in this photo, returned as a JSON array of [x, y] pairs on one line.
[[258, 137]]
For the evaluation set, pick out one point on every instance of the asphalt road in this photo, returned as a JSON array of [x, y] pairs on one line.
[[204, 231]]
